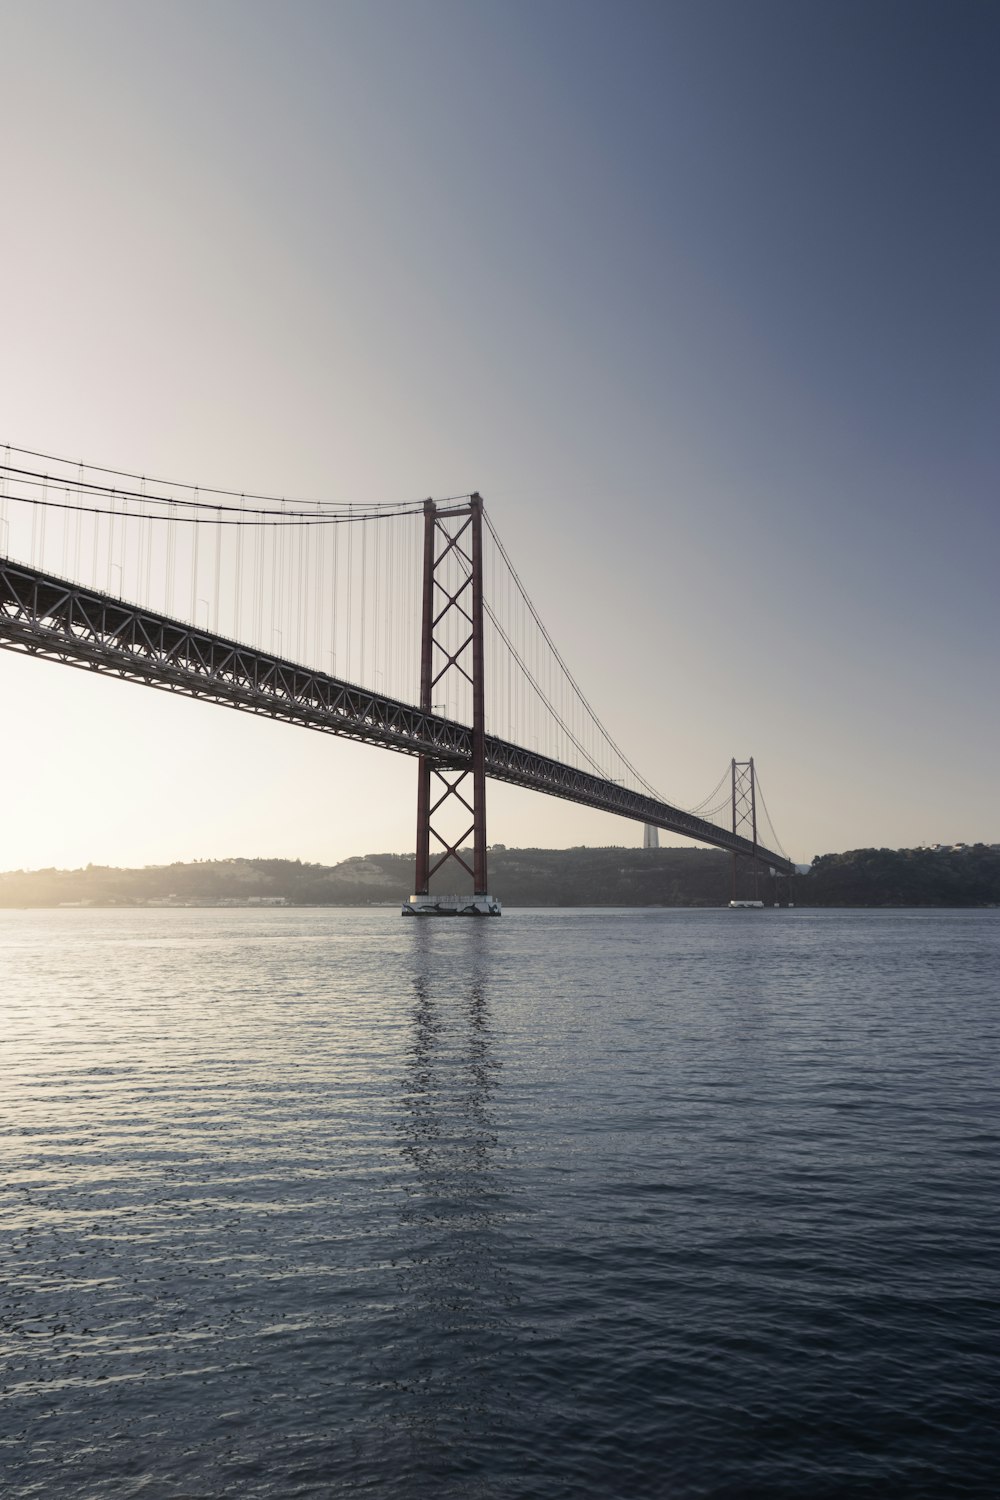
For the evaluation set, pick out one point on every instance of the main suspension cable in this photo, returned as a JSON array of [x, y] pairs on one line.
[[204, 489], [767, 815]]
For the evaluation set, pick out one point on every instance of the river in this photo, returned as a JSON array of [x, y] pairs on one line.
[[603, 1205]]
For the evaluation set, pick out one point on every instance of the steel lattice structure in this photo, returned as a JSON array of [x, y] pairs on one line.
[[744, 810], [453, 532], [46, 616]]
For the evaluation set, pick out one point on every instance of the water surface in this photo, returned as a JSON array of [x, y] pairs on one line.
[[598, 1204]]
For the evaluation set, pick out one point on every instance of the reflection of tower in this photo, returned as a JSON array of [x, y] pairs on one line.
[[442, 1369], [447, 1133], [650, 837]]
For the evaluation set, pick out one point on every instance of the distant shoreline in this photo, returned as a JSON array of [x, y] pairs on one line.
[[509, 906], [961, 875]]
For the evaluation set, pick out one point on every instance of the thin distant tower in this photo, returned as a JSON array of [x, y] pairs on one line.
[[650, 837]]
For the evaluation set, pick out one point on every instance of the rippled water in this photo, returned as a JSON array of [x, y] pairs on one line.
[[573, 1204]]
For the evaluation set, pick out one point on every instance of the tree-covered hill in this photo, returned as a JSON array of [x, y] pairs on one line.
[[966, 875], [961, 876], [523, 877]]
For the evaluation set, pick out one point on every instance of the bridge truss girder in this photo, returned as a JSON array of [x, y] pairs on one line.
[[48, 617]]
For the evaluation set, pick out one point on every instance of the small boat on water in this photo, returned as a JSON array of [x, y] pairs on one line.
[[749, 905]]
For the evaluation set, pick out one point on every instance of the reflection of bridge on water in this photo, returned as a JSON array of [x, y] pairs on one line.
[[450, 1081], [440, 1373], [338, 590]]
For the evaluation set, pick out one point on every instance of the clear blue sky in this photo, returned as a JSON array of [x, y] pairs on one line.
[[702, 297]]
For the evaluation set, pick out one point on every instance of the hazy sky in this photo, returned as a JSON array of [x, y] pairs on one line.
[[703, 297]]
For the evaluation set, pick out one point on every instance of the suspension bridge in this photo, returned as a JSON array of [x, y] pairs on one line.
[[404, 625]]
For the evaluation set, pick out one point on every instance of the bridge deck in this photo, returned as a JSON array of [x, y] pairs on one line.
[[45, 616]]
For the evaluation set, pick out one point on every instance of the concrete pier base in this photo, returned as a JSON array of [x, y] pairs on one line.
[[479, 905]]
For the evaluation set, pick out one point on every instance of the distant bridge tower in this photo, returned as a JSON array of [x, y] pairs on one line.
[[650, 837], [744, 804]]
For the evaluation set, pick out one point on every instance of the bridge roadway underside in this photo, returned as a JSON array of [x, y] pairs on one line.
[[45, 616]]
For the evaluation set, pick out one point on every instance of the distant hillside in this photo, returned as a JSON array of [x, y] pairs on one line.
[[523, 877], [963, 876], [966, 875]]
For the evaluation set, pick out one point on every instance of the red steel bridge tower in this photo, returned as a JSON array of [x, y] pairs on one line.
[[451, 644], [744, 803]]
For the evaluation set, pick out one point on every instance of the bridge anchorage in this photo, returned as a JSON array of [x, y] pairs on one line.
[[110, 572]]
